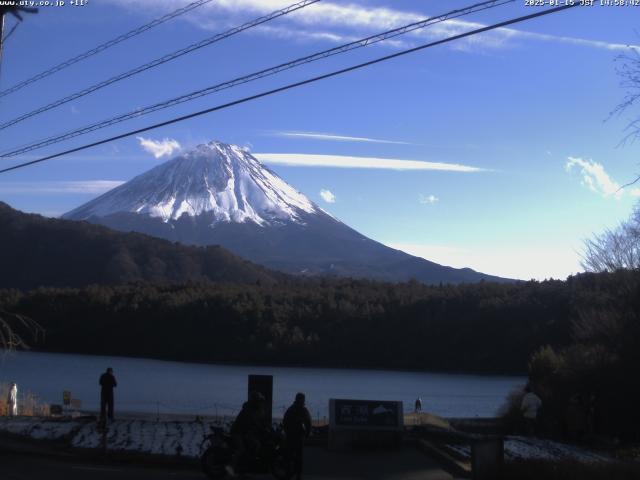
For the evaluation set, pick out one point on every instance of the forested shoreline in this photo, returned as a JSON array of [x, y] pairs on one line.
[[483, 327]]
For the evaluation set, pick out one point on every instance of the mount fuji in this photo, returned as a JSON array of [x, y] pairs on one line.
[[221, 194]]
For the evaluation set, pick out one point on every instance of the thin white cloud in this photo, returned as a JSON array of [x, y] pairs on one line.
[[159, 148], [327, 196], [428, 199], [634, 192], [594, 177], [521, 262], [337, 138], [581, 42], [301, 35], [298, 35], [345, 161], [79, 186], [357, 18]]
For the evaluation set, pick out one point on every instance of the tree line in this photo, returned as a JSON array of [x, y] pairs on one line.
[[482, 327]]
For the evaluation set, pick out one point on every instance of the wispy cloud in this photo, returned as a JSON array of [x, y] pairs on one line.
[[337, 138], [79, 186], [159, 148], [344, 161], [580, 42], [327, 196], [298, 35], [594, 177], [428, 199], [348, 19]]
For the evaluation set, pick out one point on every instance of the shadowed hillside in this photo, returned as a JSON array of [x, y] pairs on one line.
[[37, 251]]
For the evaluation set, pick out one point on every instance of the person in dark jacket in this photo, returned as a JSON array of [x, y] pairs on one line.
[[247, 430], [107, 384], [297, 426]]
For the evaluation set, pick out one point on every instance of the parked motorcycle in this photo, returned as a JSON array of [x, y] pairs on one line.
[[217, 449]]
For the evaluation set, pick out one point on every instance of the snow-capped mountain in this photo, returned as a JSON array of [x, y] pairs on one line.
[[219, 194], [215, 178]]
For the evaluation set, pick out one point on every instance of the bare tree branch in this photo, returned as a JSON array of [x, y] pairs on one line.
[[14, 327], [628, 69], [614, 249]]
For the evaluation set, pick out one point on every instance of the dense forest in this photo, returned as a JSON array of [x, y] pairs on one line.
[[591, 386], [483, 327]]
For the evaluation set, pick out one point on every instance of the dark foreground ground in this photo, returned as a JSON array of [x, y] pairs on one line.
[[404, 464]]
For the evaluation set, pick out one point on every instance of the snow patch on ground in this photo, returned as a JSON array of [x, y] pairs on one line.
[[184, 438], [156, 438], [521, 448], [36, 428], [172, 438], [531, 448]]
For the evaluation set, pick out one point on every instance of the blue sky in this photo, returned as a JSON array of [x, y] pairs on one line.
[[524, 163]]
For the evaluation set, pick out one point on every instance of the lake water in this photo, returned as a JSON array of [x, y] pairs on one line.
[[150, 386]]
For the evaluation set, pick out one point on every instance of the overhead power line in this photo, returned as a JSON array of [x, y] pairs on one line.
[[373, 39], [104, 46], [159, 61], [13, 29], [294, 85]]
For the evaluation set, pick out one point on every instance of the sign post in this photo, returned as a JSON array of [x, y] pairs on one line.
[[364, 423]]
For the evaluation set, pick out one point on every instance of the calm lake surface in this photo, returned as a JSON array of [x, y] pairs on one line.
[[150, 386]]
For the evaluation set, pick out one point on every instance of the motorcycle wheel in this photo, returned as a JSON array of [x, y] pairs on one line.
[[282, 468], [213, 462]]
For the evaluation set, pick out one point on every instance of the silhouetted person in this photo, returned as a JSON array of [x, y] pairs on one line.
[[12, 400], [530, 405], [297, 426], [108, 383], [418, 405], [247, 430]]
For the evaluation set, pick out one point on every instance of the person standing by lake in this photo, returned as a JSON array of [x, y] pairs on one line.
[[530, 405], [12, 399], [418, 406], [297, 426], [107, 384]]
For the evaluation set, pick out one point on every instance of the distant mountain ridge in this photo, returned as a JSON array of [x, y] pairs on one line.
[[37, 251], [219, 194]]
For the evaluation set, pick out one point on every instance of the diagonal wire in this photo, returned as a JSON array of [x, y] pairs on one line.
[[295, 85], [159, 61], [103, 46], [13, 29], [257, 75]]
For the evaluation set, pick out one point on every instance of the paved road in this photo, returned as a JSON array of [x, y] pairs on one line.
[[406, 464]]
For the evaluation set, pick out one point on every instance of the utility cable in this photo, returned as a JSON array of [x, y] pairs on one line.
[[256, 76], [160, 61], [13, 29], [295, 85], [104, 46]]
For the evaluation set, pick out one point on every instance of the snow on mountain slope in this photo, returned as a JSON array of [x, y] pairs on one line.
[[218, 178], [218, 194]]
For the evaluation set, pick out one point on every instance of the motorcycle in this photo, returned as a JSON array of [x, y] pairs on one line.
[[217, 449]]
